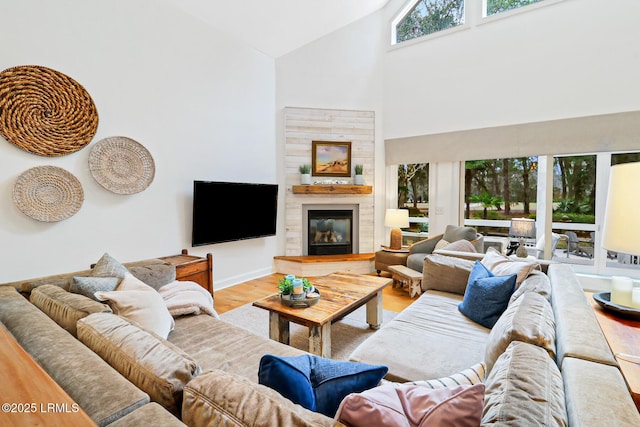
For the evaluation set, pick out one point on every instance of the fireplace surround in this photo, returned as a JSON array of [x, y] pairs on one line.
[[330, 229]]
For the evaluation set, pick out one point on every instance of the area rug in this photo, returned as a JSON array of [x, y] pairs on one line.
[[346, 334]]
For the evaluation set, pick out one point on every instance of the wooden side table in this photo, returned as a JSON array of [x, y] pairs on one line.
[[194, 268], [402, 275], [623, 336]]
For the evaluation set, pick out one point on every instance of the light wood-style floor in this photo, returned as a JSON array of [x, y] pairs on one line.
[[393, 299]]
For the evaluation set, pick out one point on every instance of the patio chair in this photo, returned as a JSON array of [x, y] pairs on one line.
[[573, 245], [538, 250]]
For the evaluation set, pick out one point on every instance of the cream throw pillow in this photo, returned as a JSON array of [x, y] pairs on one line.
[[141, 304], [501, 265]]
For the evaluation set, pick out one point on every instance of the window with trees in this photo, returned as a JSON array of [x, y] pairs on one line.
[[429, 16], [500, 189], [413, 194], [498, 6]]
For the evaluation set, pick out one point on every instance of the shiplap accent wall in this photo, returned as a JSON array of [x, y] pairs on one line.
[[304, 125]]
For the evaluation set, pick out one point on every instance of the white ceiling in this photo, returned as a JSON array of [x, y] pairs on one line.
[[276, 27]]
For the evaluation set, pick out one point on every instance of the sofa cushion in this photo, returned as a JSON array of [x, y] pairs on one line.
[[153, 364], [411, 405], [487, 295], [502, 265], [429, 339], [219, 398], [155, 275], [89, 285], [610, 404], [65, 308], [455, 232], [578, 332], [101, 391], [524, 388], [141, 304], [317, 383], [445, 273], [528, 319], [151, 414], [537, 282]]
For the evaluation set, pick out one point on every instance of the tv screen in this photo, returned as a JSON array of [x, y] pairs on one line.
[[228, 211]]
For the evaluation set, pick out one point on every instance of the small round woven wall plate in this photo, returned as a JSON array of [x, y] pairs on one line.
[[121, 165], [48, 193], [44, 111]]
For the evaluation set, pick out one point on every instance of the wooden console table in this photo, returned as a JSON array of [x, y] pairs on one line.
[[623, 336], [194, 268], [30, 397]]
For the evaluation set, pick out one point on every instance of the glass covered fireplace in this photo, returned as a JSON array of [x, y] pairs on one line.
[[330, 231]]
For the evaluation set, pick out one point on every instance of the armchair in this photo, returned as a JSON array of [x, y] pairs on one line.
[[452, 233]]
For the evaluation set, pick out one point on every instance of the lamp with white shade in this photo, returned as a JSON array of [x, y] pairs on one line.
[[522, 228], [621, 227], [396, 219]]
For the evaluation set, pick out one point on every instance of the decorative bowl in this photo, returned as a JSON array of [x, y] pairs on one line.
[[309, 299], [604, 299]]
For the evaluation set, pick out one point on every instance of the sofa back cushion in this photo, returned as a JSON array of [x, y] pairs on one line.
[[537, 282], [65, 308], [577, 329], [446, 274], [219, 398], [153, 364], [528, 319], [524, 388]]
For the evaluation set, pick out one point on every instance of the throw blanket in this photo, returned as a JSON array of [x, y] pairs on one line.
[[185, 297]]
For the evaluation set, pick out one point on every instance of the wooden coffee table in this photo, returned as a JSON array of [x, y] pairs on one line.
[[623, 336], [341, 294]]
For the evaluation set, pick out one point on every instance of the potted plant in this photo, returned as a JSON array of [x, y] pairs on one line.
[[286, 287], [358, 178], [305, 174]]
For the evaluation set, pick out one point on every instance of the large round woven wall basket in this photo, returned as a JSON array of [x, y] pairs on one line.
[[48, 193], [45, 112], [121, 165]]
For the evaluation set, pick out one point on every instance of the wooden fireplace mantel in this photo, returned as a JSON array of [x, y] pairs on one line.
[[332, 189]]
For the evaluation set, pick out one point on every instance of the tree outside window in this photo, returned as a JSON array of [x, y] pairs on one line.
[[430, 16]]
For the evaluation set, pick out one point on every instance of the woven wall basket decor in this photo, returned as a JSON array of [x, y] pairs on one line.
[[48, 193], [121, 165], [44, 111]]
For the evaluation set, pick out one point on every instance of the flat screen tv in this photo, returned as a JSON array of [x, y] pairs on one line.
[[229, 211]]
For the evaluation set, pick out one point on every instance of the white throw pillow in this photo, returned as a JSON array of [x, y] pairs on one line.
[[140, 303]]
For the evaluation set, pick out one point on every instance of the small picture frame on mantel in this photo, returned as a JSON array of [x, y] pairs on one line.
[[331, 158]]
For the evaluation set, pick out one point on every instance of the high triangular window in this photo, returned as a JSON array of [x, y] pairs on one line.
[[424, 17]]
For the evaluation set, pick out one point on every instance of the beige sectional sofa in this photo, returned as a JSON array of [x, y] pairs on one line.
[[547, 361], [205, 373]]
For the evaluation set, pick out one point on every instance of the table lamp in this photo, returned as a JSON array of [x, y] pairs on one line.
[[621, 226], [396, 219], [522, 228]]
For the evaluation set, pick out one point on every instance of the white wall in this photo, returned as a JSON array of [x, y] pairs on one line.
[[569, 59], [202, 104], [340, 71]]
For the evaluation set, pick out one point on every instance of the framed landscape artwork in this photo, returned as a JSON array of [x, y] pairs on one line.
[[331, 158]]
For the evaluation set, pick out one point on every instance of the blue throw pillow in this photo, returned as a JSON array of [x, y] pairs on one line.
[[487, 295], [317, 383]]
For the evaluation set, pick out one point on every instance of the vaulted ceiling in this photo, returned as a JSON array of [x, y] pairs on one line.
[[276, 27]]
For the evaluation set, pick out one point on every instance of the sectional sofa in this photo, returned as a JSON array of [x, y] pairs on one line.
[[558, 369], [546, 359]]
